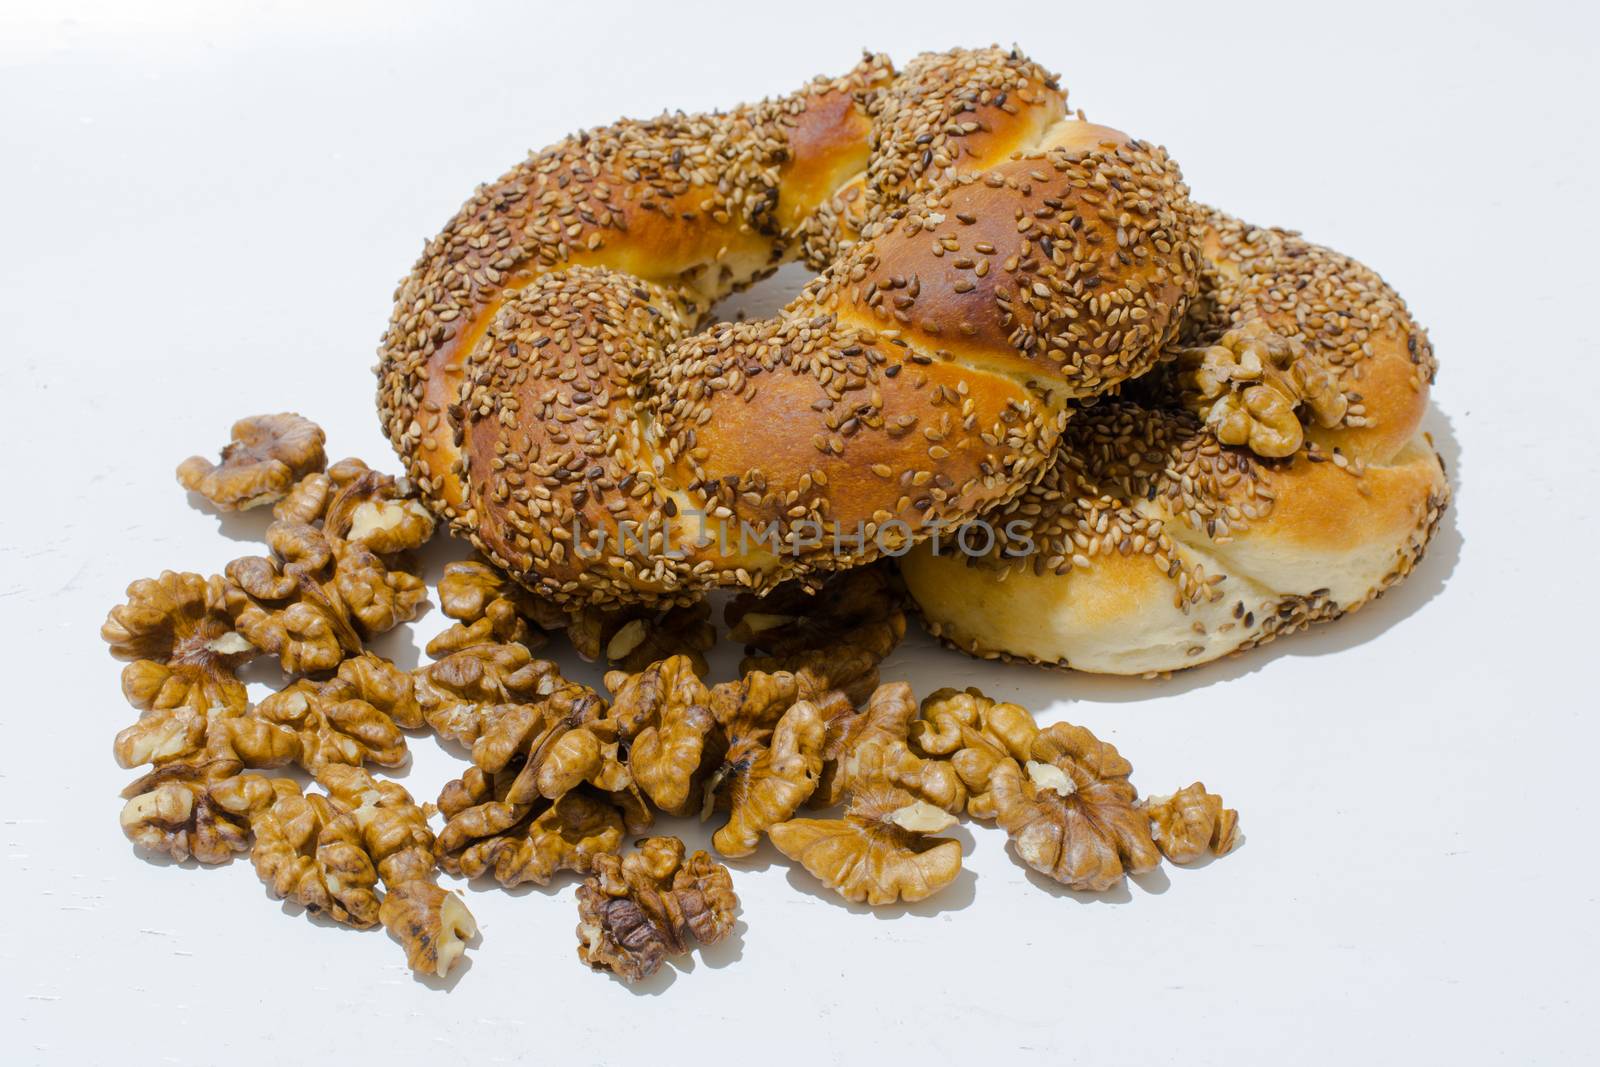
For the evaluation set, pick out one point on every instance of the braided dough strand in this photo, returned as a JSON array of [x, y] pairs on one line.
[[989, 261], [1155, 546]]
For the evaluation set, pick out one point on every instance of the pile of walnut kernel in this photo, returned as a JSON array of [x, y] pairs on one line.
[[850, 778]]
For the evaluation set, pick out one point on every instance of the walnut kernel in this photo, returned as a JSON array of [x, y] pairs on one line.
[[977, 735], [1071, 815], [879, 851], [636, 910], [768, 786], [1249, 385], [317, 598], [177, 630], [1191, 821], [267, 455]]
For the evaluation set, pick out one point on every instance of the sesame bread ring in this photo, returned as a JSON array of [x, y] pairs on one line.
[[1150, 544], [985, 261]]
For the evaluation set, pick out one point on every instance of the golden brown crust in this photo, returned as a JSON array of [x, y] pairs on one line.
[[821, 427], [945, 114], [1070, 267], [1159, 547], [1079, 284], [828, 145], [550, 423], [548, 397], [1154, 547], [676, 200]]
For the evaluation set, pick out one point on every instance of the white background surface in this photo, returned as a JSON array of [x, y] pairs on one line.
[[204, 210]]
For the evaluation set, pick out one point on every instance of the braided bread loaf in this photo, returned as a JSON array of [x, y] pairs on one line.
[[1195, 515], [985, 261]]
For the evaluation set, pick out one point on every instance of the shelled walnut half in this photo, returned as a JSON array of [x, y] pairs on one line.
[[171, 810], [353, 718], [559, 743], [977, 735], [462, 694], [869, 745], [317, 598], [636, 910], [768, 786], [309, 499], [307, 849], [1190, 822], [1071, 813], [761, 778], [267, 455], [490, 608], [1251, 386], [880, 851], [663, 714], [185, 650], [379, 512], [566, 835], [528, 759], [432, 924], [182, 734]]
